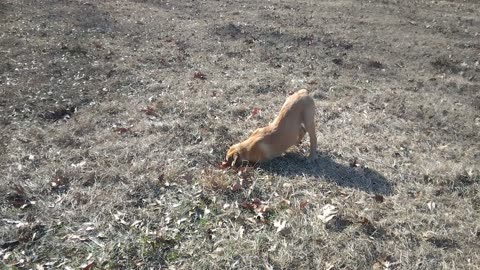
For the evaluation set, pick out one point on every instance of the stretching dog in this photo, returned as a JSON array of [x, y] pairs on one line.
[[295, 118]]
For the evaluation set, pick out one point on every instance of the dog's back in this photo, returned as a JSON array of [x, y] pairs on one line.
[[296, 105]]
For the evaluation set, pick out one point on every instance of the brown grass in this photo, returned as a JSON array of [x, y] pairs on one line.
[[114, 117]]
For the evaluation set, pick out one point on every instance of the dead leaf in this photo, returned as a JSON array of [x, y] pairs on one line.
[[244, 172], [137, 224], [354, 163], [27, 204], [367, 226], [236, 187], [149, 111], [379, 198], [98, 44], [187, 177], [431, 206], [364, 221], [246, 169], [377, 266], [59, 183], [256, 202], [328, 212], [9, 245], [280, 225], [161, 178], [18, 189], [427, 178], [255, 112], [79, 165], [18, 198], [262, 209], [286, 185], [240, 232], [122, 130], [248, 206], [303, 204], [119, 218], [206, 212], [219, 251], [257, 207], [285, 203], [76, 237], [384, 263], [90, 266], [262, 212], [224, 165], [199, 75], [180, 221]]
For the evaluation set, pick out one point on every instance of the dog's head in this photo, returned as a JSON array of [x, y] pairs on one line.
[[233, 157]]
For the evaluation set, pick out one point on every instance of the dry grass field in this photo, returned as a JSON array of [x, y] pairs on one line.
[[115, 116]]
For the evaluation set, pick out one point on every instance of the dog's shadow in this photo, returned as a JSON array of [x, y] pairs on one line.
[[366, 179]]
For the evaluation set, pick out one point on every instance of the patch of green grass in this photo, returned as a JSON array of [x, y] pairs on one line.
[[172, 256]]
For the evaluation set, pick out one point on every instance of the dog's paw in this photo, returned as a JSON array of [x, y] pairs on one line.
[[312, 159]]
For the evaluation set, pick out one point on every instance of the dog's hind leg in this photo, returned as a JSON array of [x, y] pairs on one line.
[[309, 122]]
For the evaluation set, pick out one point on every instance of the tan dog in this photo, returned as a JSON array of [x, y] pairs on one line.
[[295, 118]]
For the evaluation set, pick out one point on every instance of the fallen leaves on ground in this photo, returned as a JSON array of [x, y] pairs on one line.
[[18, 198], [328, 212], [254, 113], [354, 163], [59, 183], [431, 206], [149, 111], [379, 198], [224, 165], [281, 226], [303, 204], [9, 244], [89, 266], [237, 186], [367, 226], [384, 263], [285, 203], [258, 207], [364, 220], [199, 75], [121, 130]]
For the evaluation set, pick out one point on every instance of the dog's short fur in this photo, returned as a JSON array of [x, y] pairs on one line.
[[295, 119]]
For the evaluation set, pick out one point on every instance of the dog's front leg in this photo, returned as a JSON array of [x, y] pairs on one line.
[[301, 134]]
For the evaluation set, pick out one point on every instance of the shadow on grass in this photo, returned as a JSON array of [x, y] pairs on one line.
[[366, 179]]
